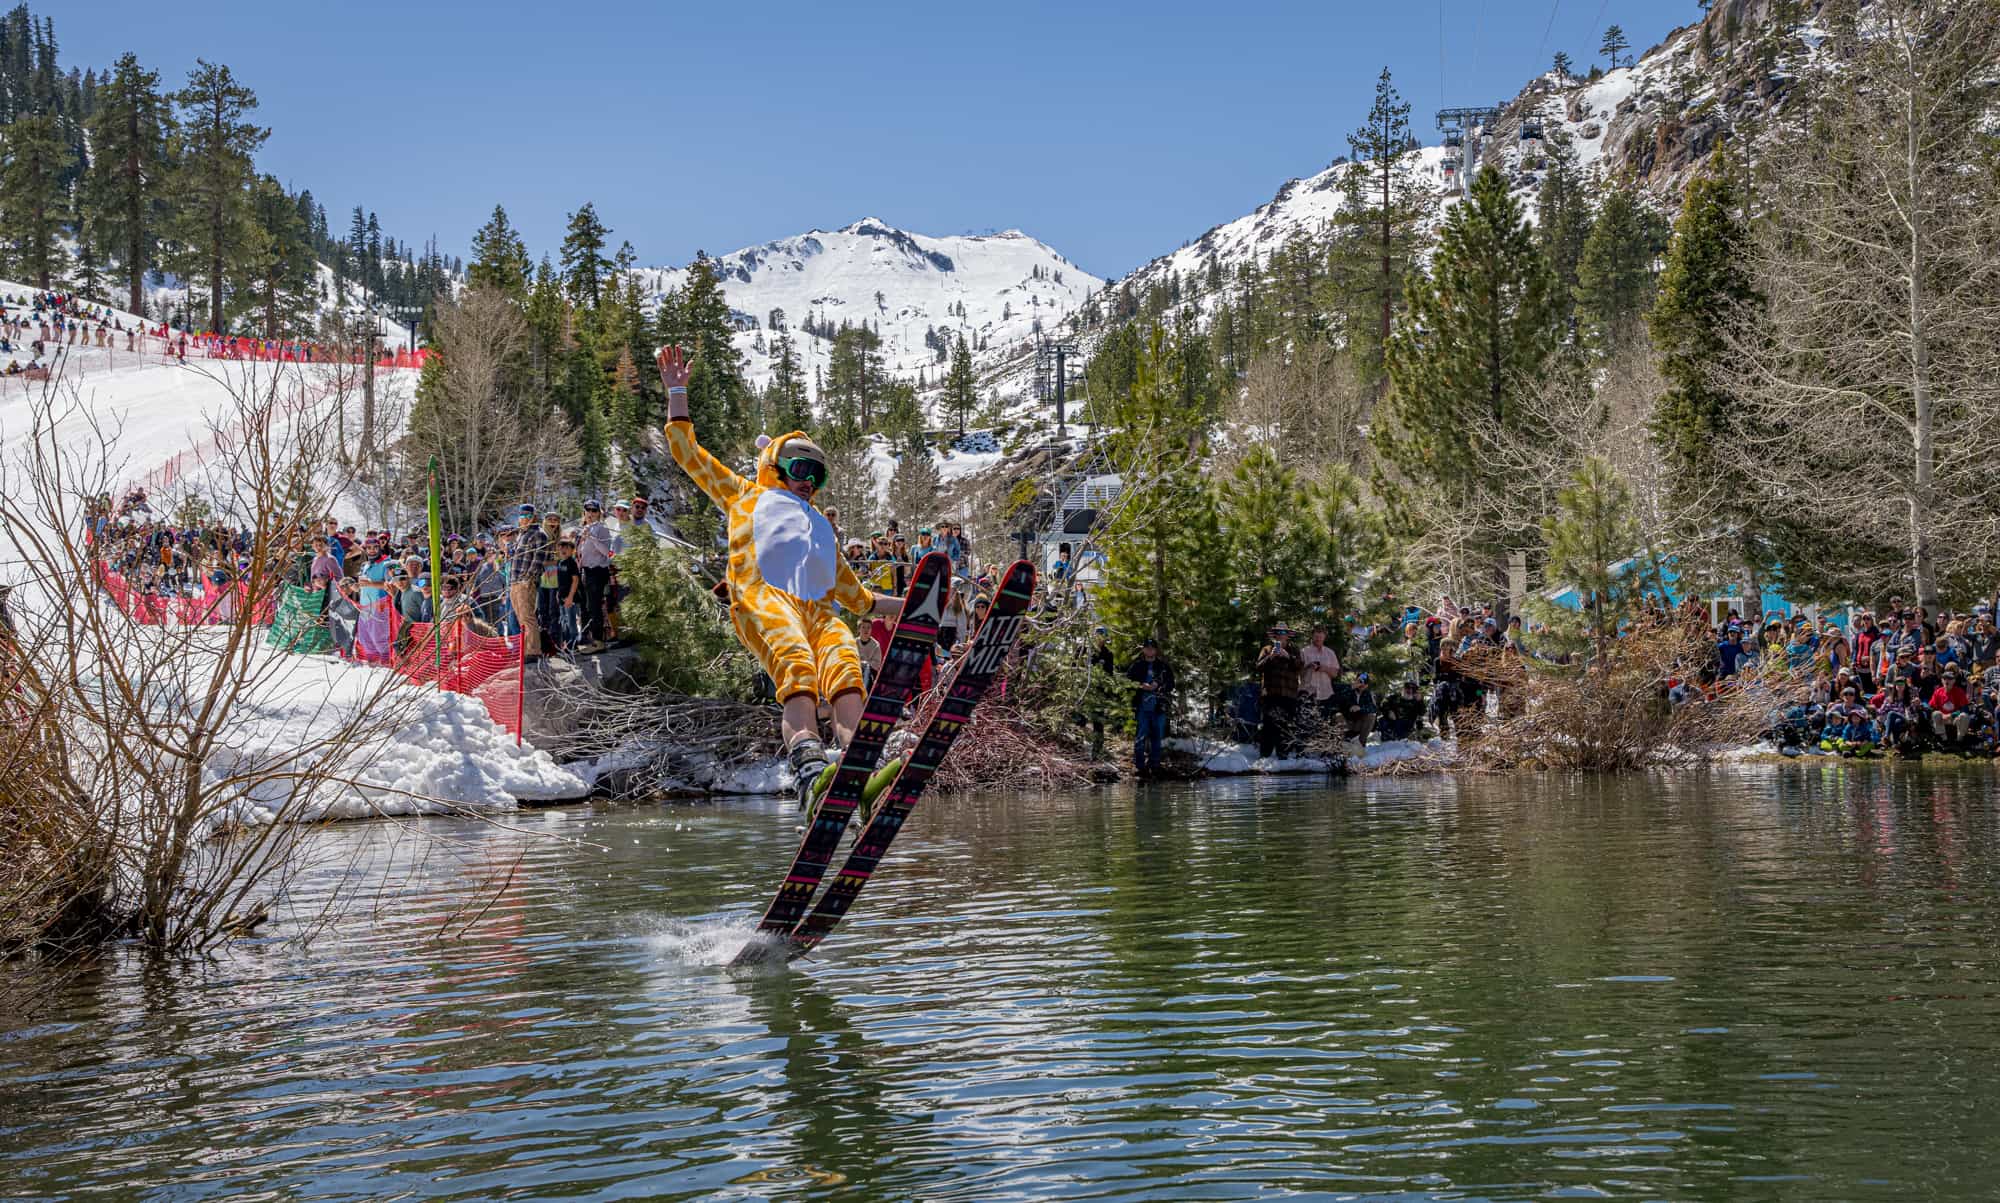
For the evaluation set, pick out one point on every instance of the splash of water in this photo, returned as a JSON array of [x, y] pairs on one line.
[[707, 942]]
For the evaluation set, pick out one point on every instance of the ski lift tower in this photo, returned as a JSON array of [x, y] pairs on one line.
[[1463, 129], [1052, 358]]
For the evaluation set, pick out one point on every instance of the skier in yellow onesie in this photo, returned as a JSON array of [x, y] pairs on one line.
[[785, 573]]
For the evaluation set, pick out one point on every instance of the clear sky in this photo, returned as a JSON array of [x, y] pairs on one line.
[[1114, 131]]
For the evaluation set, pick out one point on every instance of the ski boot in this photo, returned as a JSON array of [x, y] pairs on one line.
[[812, 770], [814, 785]]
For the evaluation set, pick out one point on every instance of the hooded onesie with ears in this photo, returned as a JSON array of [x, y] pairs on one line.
[[785, 570]]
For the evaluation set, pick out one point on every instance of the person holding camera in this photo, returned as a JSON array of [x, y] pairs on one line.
[[1278, 666]]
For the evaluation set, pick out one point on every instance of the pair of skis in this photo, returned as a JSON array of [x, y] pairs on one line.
[[787, 924]]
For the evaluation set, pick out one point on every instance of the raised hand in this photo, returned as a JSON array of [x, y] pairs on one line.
[[674, 372], [673, 367]]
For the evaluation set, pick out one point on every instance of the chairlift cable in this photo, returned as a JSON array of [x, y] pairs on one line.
[[1549, 29], [1598, 25], [1441, 88]]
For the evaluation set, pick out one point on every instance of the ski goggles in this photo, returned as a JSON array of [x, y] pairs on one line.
[[800, 467]]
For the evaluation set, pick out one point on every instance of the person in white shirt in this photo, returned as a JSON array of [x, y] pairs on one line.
[[1321, 666]]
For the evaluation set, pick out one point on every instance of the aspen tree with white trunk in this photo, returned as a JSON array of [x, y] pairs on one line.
[[1871, 382]]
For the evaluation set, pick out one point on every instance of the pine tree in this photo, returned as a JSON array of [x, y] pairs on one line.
[[1262, 511], [902, 415], [127, 187], [1167, 574], [546, 316], [961, 395], [785, 396], [1564, 67], [1614, 45], [1592, 529], [1705, 291], [1481, 327], [854, 380], [1564, 218], [216, 148], [584, 266], [499, 256], [916, 484], [1614, 274], [32, 198], [1382, 214], [281, 261]]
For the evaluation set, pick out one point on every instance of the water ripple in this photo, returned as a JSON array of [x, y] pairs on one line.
[[1757, 984]]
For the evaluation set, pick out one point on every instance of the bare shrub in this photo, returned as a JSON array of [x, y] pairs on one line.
[[1616, 715], [148, 789]]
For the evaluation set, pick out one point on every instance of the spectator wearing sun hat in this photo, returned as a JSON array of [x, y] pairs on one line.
[[593, 556]]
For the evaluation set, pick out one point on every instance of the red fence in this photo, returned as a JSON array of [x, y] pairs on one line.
[[490, 668]]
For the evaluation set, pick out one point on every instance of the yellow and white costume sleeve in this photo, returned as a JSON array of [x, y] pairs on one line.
[[785, 572]]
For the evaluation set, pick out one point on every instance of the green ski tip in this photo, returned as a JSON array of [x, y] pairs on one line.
[[825, 781], [879, 781]]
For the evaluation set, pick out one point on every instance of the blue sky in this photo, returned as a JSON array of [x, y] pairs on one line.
[[1112, 131]]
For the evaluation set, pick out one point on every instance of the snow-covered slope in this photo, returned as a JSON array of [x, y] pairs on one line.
[[1652, 123], [157, 411], [996, 289], [1305, 206]]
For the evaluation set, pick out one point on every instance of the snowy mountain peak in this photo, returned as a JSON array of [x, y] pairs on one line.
[[917, 291]]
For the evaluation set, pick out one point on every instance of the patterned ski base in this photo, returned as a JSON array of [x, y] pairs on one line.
[[895, 685], [975, 674]]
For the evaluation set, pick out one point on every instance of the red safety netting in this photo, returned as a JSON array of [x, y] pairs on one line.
[[216, 606], [487, 667]]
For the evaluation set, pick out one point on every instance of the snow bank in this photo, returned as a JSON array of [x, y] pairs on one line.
[[1382, 755], [446, 754], [1223, 759]]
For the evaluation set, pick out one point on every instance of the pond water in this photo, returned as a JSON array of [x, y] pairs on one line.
[[1769, 983]]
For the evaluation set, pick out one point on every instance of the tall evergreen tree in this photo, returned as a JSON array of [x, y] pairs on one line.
[[916, 484], [1383, 212], [1614, 44], [127, 187], [1481, 327], [961, 395], [584, 267], [854, 380], [500, 257], [1614, 273], [216, 149], [1706, 290], [1563, 221], [1167, 574], [281, 262], [32, 198], [785, 396]]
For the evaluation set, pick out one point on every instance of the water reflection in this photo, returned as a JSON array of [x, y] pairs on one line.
[[1759, 984]]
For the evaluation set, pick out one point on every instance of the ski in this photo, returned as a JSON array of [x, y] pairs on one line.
[[902, 666], [975, 673]]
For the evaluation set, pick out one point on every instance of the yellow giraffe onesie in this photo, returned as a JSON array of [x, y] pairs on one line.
[[785, 571]]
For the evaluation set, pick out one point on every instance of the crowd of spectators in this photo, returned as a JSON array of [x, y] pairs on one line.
[[1901, 680], [1891, 679], [42, 323], [555, 582], [552, 580]]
